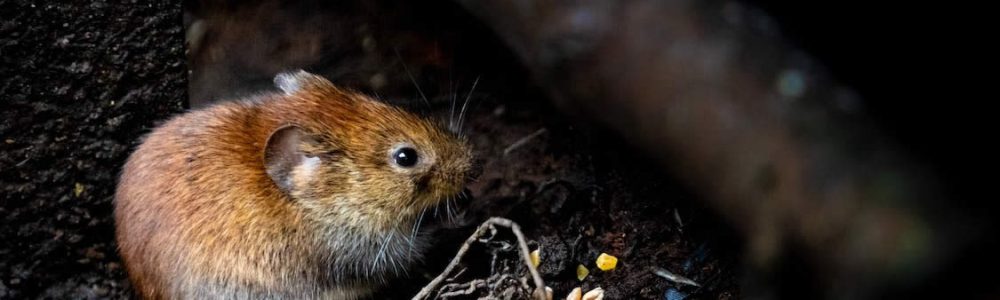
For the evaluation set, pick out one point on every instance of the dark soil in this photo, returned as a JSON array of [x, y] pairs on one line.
[[82, 83]]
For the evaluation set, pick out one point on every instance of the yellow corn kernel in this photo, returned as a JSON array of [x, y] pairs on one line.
[[581, 272], [536, 257], [606, 262]]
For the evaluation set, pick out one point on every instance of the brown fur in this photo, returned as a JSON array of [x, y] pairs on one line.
[[198, 216]]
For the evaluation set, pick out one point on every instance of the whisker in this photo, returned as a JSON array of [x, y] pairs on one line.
[[447, 209], [454, 211], [412, 79], [391, 258], [381, 251], [461, 115], [454, 98], [413, 233], [416, 226], [451, 213]]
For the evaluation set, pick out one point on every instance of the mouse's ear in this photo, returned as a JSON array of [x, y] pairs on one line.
[[291, 82], [282, 154]]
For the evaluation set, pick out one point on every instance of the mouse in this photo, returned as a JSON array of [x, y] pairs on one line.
[[312, 191]]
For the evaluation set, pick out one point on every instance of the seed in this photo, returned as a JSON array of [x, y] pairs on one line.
[[575, 294], [594, 294], [536, 257], [581, 272], [606, 262]]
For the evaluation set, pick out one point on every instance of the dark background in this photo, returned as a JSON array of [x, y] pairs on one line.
[[921, 68]]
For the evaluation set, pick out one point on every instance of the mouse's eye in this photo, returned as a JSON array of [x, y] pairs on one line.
[[405, 157]]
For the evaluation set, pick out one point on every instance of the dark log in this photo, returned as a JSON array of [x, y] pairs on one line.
[[778, 146]]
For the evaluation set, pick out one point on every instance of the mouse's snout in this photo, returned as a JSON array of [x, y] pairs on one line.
[[453, 171]]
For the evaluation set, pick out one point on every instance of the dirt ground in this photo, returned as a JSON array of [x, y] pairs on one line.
[[113, 71], [81, 84]]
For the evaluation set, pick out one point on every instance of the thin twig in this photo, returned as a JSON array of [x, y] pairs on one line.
[[473, 285], [539, 292]]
